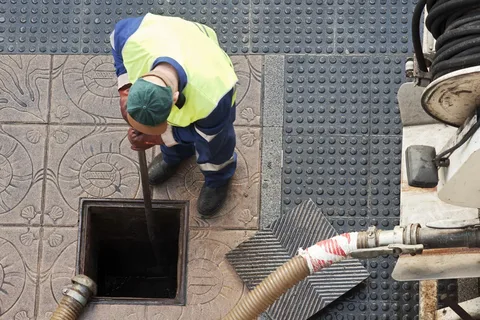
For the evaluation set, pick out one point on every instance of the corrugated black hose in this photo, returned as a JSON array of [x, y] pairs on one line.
[[455, 25], [417, 43]]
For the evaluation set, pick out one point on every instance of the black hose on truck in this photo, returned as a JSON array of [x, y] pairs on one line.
[[455, 25]]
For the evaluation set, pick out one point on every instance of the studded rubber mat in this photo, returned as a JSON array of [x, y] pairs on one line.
[[84, 26], [342, 149], [256, 26]]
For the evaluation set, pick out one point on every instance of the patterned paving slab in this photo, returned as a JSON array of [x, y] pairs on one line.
[[88, 162], [24, 88], [62, 138], [22, 161], [213, 286], [18, 270], [84, 93], [96, 161], [57, 267], [241, 208], [84, 90]]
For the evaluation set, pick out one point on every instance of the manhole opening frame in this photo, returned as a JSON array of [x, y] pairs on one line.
[[84, 228]]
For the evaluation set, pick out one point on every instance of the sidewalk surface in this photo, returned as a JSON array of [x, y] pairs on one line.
[[317, 119]]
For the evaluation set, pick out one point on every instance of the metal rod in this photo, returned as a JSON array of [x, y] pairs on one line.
[[147, 198], [448, 238], [413, 234], [457, 309], [471, 307]]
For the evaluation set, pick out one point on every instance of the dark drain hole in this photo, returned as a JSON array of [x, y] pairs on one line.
[[125, 264]]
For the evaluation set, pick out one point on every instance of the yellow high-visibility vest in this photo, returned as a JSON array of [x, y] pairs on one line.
[[195, 47]]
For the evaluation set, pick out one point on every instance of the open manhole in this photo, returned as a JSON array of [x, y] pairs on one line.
[[115, 251]]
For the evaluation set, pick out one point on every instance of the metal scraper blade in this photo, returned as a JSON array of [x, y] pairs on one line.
[[438, 264]]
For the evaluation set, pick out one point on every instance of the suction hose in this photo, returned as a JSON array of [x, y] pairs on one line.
[[309, 261], [75, 298], [313, 259], [370, 243], [455, 25]]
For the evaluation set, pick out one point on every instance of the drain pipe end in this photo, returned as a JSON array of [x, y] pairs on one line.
[[82, 289], [75, 298]]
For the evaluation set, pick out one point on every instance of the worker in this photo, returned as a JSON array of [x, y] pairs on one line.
[[177, 90]]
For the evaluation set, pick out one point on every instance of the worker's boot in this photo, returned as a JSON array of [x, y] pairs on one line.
[[211, 200], [159, 171]]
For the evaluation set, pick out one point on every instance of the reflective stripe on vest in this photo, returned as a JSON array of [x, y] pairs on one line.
[[209, 70]]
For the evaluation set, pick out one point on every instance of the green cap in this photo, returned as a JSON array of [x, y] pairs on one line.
[[148, 103]]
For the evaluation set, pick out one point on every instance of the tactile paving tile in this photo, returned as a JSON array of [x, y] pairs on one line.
[[386, 157], [84, 26], [262, 26], [327, 95], [392, 300], [373, 26], [28, 26], [387, 75], [229, 18], [286, 26], [345, 95], [332, 26], [342, 149], [332, 170], [259, 256]]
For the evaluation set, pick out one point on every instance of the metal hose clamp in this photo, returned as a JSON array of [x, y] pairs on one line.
[[372, 237], [81, 289], [410, 234]]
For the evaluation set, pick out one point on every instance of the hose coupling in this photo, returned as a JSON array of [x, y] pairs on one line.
[[75, 298], [367, 239], [374, 238], [81, 289], [409, 68]]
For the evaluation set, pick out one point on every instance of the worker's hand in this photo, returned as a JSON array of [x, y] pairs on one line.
[[141, 141], [123, 101]]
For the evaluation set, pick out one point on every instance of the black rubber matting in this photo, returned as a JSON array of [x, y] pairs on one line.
[[259, 256], [331, 26], [84, 26], [343, 149], [255, 26]]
